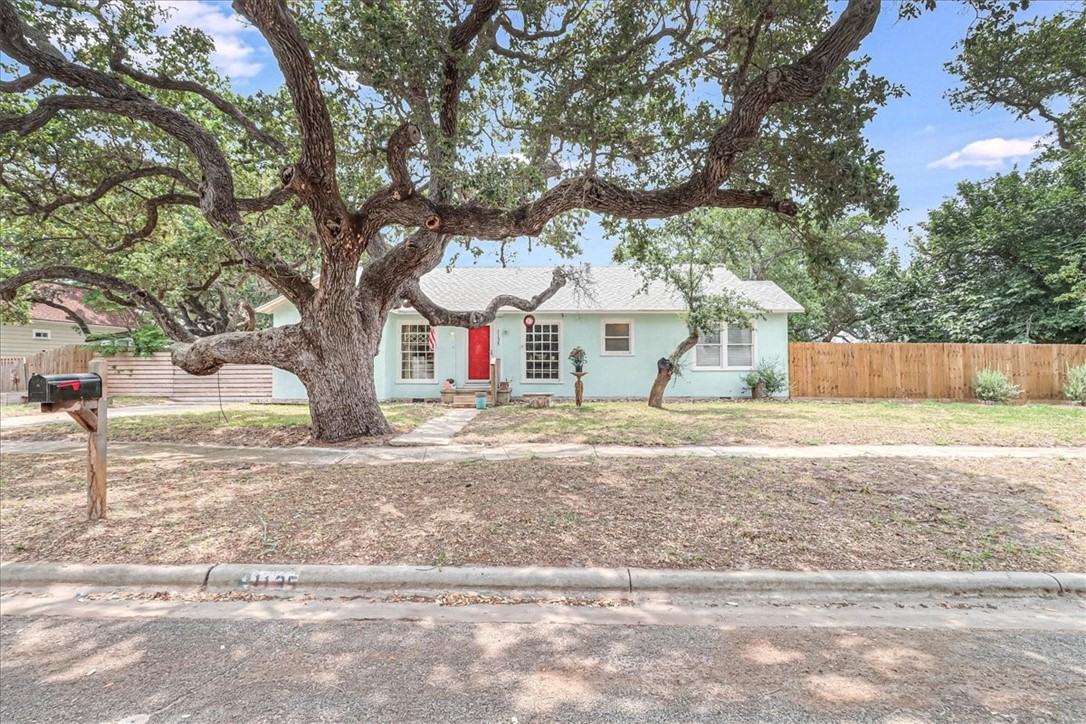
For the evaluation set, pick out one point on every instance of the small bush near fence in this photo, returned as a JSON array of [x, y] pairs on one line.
[[994, 386], [1075, 389]]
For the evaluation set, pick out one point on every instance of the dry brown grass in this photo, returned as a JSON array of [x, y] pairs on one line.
[[678, 513], [255, 425], [783, 423]]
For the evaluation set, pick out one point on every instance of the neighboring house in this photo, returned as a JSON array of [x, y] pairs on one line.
[[623, 329], [52, 328]]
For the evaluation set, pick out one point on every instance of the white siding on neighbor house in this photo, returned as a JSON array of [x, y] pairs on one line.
[[20, 341]]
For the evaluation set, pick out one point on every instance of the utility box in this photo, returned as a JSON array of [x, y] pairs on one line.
[[48, 389]]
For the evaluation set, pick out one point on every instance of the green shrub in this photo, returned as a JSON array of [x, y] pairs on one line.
[[769, 373], [1075, 389], [994, 386], [141, 342]]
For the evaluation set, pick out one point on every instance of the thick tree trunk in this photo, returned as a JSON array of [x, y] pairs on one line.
[[343, 398], [340, 380]]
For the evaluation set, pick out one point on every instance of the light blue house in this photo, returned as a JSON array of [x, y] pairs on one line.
[[623, 328]]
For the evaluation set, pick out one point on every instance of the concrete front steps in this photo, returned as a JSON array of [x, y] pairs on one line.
[[464, 397]]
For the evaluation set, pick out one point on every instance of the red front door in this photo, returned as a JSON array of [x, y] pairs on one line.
[[479, 354]]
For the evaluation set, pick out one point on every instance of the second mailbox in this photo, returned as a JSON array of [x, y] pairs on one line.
[[60, 388]]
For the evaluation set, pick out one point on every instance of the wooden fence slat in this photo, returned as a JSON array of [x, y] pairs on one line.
[[932, 371]]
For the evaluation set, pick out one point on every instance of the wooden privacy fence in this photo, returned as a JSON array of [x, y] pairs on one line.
[[153, 376], [15, 371], [926, 371], [157, 376]]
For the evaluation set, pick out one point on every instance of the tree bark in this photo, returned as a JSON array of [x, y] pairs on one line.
[[664, 374], [343, 397]]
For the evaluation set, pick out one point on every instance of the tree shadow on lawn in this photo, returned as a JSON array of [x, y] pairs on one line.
[[74, 669], [672, 513]]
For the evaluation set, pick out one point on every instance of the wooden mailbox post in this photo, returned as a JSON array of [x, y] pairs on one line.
[[91, 414]]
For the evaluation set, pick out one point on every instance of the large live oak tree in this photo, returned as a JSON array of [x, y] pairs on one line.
[[403, 128]]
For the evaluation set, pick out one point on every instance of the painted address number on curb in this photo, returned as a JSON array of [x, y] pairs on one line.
[[269, 579]]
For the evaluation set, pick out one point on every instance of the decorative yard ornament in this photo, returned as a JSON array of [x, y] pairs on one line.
[[529, 321]]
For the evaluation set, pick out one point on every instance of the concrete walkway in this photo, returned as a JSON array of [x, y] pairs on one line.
[[438, 431], [379, 455]]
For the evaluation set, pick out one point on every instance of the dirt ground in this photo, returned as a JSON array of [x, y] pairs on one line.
[[783, 423], [972, 514]]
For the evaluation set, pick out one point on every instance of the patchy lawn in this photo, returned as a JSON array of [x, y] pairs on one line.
[[245, 426], [999, 514], [783, 423], [33, 408]]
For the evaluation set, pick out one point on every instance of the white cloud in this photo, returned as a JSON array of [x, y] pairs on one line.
[[233, 55], [989, 153]]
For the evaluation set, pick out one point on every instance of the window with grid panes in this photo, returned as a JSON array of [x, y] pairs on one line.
[[416, 357], [542, 352], [730, 347]]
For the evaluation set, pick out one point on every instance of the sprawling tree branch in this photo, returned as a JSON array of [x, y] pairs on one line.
[[283, 347], [108, 184], [116, 62], [71, 314], [21, 84], [140, 297], [438, 315], [313, 178]]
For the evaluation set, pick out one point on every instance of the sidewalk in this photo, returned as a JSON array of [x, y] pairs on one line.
[[379, 455], [168, 408]]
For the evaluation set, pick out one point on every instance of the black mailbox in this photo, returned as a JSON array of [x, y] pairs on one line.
[[60, 388]]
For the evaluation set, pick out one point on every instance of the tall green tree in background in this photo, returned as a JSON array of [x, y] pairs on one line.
[[1003, 261], [403, 130]]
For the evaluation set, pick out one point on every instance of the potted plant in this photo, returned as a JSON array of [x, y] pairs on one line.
[[578, 356], [505, 392], [765, 380], [448, 391]]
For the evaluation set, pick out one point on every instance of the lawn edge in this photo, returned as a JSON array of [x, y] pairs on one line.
[[257, 576]]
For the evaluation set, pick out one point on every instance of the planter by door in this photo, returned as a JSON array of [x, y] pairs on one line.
[[479, 354]]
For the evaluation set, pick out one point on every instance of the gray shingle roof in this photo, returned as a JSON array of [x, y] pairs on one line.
[[610, 288]]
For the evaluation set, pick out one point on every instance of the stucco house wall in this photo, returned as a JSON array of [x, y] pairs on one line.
[[655, 334]]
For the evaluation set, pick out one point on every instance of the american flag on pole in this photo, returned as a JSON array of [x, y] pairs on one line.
[[431, 339]]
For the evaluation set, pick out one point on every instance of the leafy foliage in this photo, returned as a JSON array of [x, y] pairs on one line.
[[1075, 388], [143, 341], [994, 386], [770, 373], [1003, 261]]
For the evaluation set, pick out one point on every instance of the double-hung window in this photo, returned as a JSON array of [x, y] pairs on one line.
[[617, 338], [416, 353], [542, 352], [731, 347]]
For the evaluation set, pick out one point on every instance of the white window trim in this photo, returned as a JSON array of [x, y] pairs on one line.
[[524, 356], [603, 338], [399, 353], [724, 353], [47, 332]]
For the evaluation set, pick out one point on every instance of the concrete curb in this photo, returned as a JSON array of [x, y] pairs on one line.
[[573, 580], [102, 575]]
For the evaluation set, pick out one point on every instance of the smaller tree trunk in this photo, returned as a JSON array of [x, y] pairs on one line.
[[656, 394], [665, 372]]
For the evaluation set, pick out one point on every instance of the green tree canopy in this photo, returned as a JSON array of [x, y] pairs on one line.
[[1002, 261]]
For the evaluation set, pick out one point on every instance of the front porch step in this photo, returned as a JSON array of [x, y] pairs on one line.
[[465, 398]]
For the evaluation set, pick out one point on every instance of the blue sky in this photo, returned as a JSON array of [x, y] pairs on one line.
[[929, 147]]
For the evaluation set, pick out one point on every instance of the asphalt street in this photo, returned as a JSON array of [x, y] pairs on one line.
[[71, 659]]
